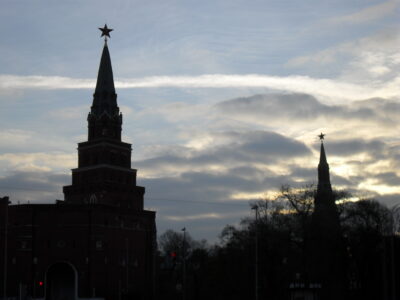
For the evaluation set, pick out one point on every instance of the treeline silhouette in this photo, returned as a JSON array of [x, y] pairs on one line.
[[277, 269]]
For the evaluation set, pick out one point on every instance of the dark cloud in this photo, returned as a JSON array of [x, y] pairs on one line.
[[205, 189], [240, 147], [387, 178], [308, 174], [35, 187], [354, 146], [303, 107]]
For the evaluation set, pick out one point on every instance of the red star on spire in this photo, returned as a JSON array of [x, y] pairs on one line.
[[105, 31], [321, 136]]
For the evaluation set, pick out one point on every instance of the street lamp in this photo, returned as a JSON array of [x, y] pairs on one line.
[[184, 264], [6, 202], [255, 207]]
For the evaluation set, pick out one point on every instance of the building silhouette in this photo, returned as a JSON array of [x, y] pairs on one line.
[[97, 243], [323, 274], [326, 254]]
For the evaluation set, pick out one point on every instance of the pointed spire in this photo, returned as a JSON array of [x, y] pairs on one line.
[[105, 98], [322, 155], [104, 118], [324, 182], [105, 78]]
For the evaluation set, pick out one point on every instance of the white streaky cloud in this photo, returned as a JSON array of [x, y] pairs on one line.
[[44, 82], [372, 58], [69, 113], [380, 189], [326, 88], [204, 216], [41, 161], [369, 13], [247, 196]]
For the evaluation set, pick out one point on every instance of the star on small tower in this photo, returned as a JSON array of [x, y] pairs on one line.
[[321, 137], [105, 31]]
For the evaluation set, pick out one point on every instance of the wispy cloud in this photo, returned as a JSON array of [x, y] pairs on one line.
[[377, 50], [369, 13], [304, 84]]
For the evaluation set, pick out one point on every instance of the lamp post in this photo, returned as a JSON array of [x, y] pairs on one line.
[[7, 202], [184, 264], [255, 207]]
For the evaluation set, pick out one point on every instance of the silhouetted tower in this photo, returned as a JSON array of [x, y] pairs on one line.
[[97, 244], [324, 203], [104, 173], [325, 251]]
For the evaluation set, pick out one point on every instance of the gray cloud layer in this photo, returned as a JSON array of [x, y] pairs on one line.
[[210, 185]]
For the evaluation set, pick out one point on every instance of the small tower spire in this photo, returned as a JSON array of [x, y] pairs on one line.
[[324, 182]]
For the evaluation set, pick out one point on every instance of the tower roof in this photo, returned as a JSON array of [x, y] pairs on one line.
[[324, 182], [105, 98], [105, 79], [105, 120], [322, 155]]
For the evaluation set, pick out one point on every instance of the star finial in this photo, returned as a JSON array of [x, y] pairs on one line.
[[105, 31], [321, 136]]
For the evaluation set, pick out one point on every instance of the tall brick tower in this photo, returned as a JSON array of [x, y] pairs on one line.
[[97, 244], [104, 173]]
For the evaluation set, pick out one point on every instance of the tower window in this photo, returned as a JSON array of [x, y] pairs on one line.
[[99, 245]]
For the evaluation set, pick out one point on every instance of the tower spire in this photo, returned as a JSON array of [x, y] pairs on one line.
[[105, 98], [104, 118], [324, 182], [105, 78]]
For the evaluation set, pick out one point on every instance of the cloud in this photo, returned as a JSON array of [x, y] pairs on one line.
[[208, 176], [368, 14], [355, 146], [199, 217], [302, 84], [281, 111], [33, 186], [69, 113], [223, 151], [39, 161], [365, 60]]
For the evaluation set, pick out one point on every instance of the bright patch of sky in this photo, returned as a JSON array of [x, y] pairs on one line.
[[222, 100]]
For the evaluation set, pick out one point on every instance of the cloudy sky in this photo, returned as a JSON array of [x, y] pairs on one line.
[[222, 100]]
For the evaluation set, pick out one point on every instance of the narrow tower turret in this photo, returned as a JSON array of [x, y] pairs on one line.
[[105, 120], [325, 247], [324, 194]]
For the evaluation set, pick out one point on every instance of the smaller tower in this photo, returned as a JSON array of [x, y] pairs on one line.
[[324, 199], [325, 247]]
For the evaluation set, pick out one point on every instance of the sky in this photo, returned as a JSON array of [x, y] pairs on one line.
[[222, 100]]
